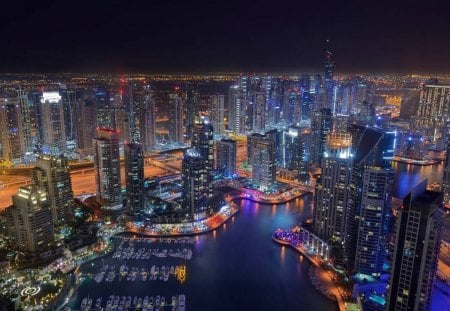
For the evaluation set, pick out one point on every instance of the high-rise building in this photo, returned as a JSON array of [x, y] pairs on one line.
[[331, 193], [84, 122], [52, 175], [195, 184], [107, 168], [192, 110], [417, 241], [29, 220], [217, 113], [102, 108], [53, 126], [321, 125], [262, 156], [148, 120], [15, 136], [258, 102], [203, 141], [226, 157], [134, 176], [446, 175], [130, 132], [294, 153], [369, 190], [374, 219], [328, 77], [236, 110], [176, 133], [433, 111]]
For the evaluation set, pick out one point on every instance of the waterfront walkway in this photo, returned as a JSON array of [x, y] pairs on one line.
[[320, 278]]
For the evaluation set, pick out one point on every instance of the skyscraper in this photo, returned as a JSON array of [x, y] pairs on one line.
[[321, 125], [130, 132], [107, 168], [148, 120], [374, 219], [293, 153], [52, 175], [203, 141], [331, 194], [176, 133], [29, 220], [84, 122], [134, 176], [226, 157], [192, 110], [217, 113], [433, 111], [261, 157], [328, 77], [368, 209], [15, 137], [417, 241], [236, 110], [53, 126], [195, 184]]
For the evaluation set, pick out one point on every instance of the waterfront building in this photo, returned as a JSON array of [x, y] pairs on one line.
[[236, 110], [52, 121], [433, 111], [417, 241], [261, 157], [134, 177], [107, 168], [176, 133], [331, 193], [52, 174], [29, 220], [321, 126], [195, 181], [226, 151], [368, 209], [374, 219], [15, 135], [148, 120], [294, 153], [203, 141]]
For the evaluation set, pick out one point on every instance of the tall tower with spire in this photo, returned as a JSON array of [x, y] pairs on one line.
[[328, 76]]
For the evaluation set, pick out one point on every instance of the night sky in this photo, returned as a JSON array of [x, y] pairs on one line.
[[232, 36]]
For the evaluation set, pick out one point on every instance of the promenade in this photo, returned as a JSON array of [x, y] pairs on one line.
[[320, 278]]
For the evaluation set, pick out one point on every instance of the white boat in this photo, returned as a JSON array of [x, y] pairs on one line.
[[163, 301], [98, 303], [116, 301], [145, 302], [84, 303], [181, 302], [139, 304], [152, 270], [110, 301], [128, 302], [157, 300], [122, 301]]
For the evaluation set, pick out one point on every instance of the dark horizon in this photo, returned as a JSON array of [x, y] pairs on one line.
[[243, 36]]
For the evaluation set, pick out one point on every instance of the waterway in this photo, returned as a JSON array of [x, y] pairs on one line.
[[238, 267]]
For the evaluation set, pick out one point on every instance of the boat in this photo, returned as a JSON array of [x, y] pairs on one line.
[[84, 303], [116, 301], [157, 300], [145, 302], [163, 301], [139, 303], [135, 299], [122, 301], [98, 303], [110, 301], [150, 301], [181, 302], [89, 304]]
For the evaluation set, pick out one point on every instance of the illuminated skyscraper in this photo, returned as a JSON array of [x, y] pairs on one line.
[[53, 126], [195, 184], [203, 142], [261, 157], [417, 241], [236, 110], [328, 77], [321, 125], [29, 220], [52, 174], [294, 153], [15, 136], [130, 132], [217, 113], [433, 111], [258, 102], [176, 133], [134, 176], [84, 122], [192, 110], [226, 157], [107, 168], [148, 120], [331, 194]]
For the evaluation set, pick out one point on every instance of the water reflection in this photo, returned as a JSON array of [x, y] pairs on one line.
[[408, 176]]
